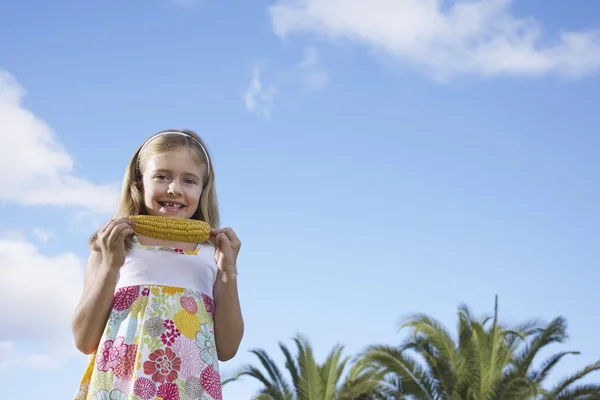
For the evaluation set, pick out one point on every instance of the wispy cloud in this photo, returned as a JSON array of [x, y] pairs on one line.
[[308, 71], [44, 235], [258, 97], [6, 351], [475, 37], [41, 168], [304, 77]]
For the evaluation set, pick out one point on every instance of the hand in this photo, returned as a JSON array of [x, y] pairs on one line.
[[227, 247], [111, 241]]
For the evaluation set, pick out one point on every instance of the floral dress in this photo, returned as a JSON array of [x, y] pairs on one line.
[[159, 338]]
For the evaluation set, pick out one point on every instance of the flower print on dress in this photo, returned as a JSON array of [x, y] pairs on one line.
[[117, 395], [112, 395], [180, 365], [171, 290], [124, 370], [138, 306], [193, 388], [209, 304], [211, 383], [154, 326], [191, 363], [189, 304], [111, 353], [123, 385], [187, 323], [131, 329], [192, 293], [206, 342], [171, 333], [144, 388], [168, 391], [124, 297], [163, 365], [117, 317]]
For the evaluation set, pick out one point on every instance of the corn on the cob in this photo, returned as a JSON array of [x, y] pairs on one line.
[[173, 229]]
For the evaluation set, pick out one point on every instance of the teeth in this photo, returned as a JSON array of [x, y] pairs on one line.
[[172, 205]]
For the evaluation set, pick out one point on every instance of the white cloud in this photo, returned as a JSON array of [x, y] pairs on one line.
[[40, 167], [257, 97], [305, 76], [311, 76], [6, 351], [480, 37], [38, 293], [44, 235]]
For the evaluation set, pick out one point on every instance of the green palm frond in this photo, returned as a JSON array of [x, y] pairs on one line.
[[291, 365], [249, 370], [554, 332], [583, 392], [331, 371], [486, 361], [411, 378], [365, 381], [310, 386], [541, 374], [442, 344], [563, 386], [277, 379]]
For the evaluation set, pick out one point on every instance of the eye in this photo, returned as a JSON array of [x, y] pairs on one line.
[[190, 181], [162, 176]]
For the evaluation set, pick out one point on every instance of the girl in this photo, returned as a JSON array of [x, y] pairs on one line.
[[157, 316]]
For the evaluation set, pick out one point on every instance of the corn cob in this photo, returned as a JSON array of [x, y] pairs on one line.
[[173, 229]]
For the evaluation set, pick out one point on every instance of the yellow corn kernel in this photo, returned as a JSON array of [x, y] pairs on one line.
[[173, 229]]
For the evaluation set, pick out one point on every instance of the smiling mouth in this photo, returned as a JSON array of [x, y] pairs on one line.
[[170, 205]]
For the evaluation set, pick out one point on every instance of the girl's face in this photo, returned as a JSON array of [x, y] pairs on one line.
[[172, 183]]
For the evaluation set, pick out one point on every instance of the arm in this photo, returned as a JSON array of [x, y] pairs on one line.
[[229, 324], [90, 317], [101, 274]]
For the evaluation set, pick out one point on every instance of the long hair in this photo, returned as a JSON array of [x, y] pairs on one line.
[[132, 191]]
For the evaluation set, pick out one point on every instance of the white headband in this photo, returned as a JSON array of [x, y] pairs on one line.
[[182, 134]]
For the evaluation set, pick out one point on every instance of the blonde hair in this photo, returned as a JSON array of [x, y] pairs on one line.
[[132, 197]]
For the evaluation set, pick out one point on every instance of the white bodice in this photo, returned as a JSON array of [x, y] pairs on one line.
[[155, 265]]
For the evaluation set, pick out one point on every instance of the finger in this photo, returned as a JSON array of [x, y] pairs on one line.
[[230, 234], [214, 234], [124, 220], [100, 234], [105, 233], [233, 238], [105, 227], [117, 232], [223, 240], [126, 232]]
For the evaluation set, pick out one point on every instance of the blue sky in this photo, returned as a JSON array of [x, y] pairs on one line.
[[376, 159]]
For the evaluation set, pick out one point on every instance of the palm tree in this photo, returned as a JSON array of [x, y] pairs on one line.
[[486, 362], [313, 381]]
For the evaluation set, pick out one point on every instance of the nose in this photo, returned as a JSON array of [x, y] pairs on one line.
[[173, 188]]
